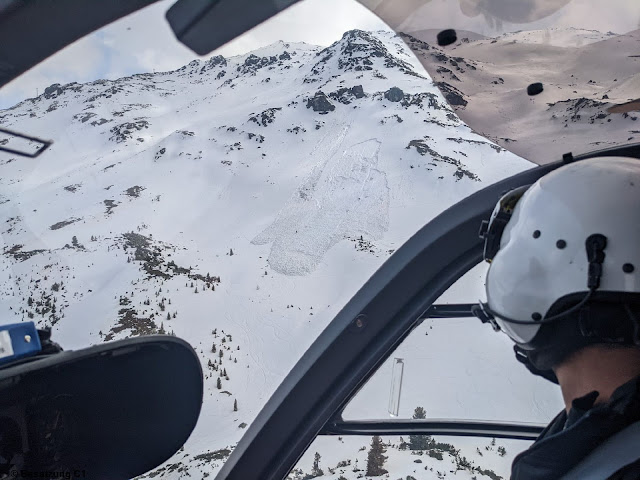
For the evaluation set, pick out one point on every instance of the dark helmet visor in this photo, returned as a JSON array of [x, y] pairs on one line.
[[491, 230]]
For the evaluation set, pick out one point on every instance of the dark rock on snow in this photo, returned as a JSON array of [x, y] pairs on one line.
[[394, 94], [347, 95], [320, 103]]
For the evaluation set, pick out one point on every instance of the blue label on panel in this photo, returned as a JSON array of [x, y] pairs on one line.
[[17, 341]]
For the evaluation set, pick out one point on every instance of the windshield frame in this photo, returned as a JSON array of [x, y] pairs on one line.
[[369, 328]]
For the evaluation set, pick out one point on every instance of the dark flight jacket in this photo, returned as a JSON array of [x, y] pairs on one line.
[[570, 438]]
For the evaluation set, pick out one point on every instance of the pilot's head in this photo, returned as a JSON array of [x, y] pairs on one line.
[[564, 259]]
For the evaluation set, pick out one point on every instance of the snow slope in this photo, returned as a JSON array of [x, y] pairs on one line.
[[236, 202], [447, 458]]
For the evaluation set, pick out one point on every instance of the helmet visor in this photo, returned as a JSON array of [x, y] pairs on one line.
[[491, 230]]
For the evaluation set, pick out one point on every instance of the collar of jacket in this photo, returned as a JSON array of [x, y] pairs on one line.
[[570, 438]]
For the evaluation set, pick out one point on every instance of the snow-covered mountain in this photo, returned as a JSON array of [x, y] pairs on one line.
[[236, 202]]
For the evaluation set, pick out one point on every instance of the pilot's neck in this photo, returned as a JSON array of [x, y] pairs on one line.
[[602, 368]]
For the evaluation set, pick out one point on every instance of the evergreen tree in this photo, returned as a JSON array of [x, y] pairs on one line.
[[316, 471], [219, 384], [419, 442], [403, 445], [168, 316], [235, 405], [376, 458]]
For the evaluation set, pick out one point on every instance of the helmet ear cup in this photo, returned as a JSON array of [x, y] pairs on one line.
[[609, 318]]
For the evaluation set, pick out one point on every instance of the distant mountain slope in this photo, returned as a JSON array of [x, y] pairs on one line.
[[236, 202]]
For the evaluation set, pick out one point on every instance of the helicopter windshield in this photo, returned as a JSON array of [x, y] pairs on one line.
[[239, 200]]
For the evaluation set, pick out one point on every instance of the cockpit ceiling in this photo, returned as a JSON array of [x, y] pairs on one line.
[[585, 54]]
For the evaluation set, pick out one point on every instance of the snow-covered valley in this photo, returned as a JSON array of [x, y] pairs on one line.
[[239, 203]]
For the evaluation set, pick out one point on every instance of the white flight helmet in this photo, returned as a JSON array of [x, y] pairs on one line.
[[573, 235]]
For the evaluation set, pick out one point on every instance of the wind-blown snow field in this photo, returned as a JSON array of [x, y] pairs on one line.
[[238, 203]]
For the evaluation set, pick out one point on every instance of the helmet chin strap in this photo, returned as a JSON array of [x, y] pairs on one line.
[[636, 324], [521, 356], [595, 245]]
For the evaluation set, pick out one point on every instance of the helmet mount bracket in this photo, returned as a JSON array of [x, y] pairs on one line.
[[595, 245]]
